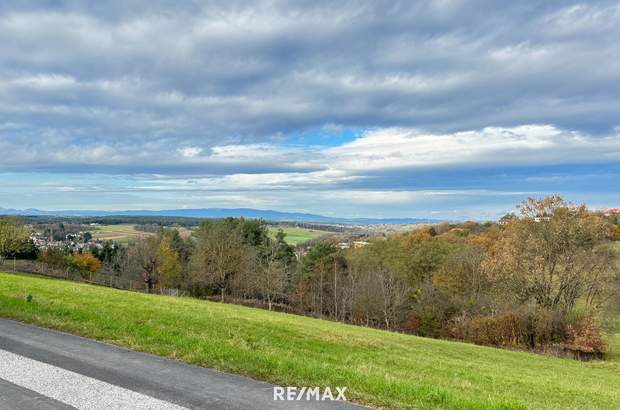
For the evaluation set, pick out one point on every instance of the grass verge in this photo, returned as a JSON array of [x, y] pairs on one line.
[[379, 368]]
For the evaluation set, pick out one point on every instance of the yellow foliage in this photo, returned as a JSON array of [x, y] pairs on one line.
[[84, 263], [169, 265]]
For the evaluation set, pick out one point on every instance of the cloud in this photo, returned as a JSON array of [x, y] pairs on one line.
[[243, 72], [190, 152], [522, 145], [357, 96], [371, 152]]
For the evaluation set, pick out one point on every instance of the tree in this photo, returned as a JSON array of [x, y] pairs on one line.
[[53, 258], [462, 274], [555, 254], [270, 280], [316, 279], [221, 257], [617, 232], [416, 255], [14, 238], [394, 295], [381, 291], [143, 257], [170, 269], [284, 252], [86, 264], [276, 258], [113, 256]]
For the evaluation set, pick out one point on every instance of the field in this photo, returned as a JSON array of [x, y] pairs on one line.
[[123, 233], [295, 236], [379, 368]]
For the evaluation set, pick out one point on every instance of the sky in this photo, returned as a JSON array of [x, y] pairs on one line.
[[444, 109]]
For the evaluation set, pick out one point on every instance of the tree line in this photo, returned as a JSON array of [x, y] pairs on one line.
[[541, 279]]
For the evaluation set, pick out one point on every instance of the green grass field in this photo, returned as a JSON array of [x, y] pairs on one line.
[[295, 236], [379, 368]]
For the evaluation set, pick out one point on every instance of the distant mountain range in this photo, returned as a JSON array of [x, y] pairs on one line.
[[223, 213]]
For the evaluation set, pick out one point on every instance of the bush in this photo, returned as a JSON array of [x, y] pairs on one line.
[[616, 233], [585, 338], [53, 257], [520, 328], [85, 264], [432, 314], [426, 323]]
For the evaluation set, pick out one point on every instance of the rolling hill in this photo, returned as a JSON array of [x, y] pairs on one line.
[[223, 213], [379, 368]]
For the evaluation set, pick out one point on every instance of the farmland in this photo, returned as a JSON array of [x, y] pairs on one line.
[[295, 235], [123, 233], [389, 370]]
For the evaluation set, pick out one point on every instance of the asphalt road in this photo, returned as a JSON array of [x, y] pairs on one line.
[[45, 369]]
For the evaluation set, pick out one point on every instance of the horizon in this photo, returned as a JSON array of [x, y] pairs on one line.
[[439, 110], [93, 213], [239, 212]]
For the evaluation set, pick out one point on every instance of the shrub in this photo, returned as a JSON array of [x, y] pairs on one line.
[[521, 328], [85, 264], [53, 257], [426, 323], [584, 338], [616, 233]]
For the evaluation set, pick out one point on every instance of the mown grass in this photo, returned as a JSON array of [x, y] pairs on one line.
[[296, 235], [379, 368]]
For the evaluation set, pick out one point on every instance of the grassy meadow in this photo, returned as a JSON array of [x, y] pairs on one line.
[[382, 369], [296, 235]]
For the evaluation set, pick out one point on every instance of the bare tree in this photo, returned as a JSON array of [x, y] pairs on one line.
[[221, 258], [394, 295], [143, 256], [270, 279]]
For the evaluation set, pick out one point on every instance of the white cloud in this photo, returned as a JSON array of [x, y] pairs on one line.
[[528, 144], [374, 151], [190, 152]]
